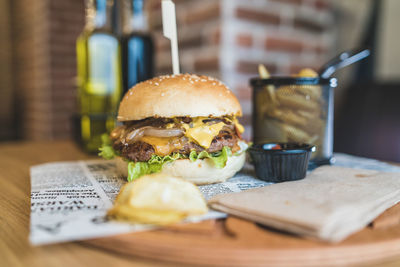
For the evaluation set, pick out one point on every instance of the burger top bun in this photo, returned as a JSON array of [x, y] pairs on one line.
[[178, 96], [199, 172]]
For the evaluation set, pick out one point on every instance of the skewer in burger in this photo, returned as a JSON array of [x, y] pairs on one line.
[[182, 125]]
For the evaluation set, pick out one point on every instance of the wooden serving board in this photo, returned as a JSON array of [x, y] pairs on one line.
[[237, 242]]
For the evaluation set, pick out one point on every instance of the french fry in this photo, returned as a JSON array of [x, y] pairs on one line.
[[307, 73], [313, 139], [264, 74], [289, 117], [315, 127], [296, 101], [309, 91], [295, 134], [309, 115]]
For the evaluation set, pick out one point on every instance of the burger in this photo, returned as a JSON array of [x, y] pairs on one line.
[[182, 125]]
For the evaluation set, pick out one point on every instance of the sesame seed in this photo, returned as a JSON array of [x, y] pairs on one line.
[[214, 84], [191, 82], [150, 82], [203, 80], [156, 84], [131, 93], [162, 94]]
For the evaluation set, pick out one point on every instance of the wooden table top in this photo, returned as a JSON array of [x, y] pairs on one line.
[[15, 250]]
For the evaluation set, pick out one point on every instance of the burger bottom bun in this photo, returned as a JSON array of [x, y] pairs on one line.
[[199, 172]]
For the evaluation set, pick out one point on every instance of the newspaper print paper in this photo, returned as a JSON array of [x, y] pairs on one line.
[[69, 200]]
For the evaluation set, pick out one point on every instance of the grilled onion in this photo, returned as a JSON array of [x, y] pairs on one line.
[[136, 134], [117, 132], [158, 132]]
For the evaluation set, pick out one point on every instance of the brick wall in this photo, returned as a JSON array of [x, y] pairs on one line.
[[199, 25], [44, 47], [67, 20], [31, 69], [222, 38], [229, 38]]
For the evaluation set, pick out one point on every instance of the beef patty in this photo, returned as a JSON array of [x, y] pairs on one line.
[[141, 151]]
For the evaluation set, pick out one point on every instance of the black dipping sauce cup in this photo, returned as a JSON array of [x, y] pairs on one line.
[[281, 162]]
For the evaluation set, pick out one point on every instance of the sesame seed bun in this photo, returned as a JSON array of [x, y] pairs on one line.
[[178, 96]]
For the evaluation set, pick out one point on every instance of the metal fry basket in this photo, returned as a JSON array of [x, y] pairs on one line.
[[289, 109]]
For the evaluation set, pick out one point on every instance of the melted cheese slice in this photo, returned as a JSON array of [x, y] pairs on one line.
[[197, 130], [202, 133], [235, 121], [163, 146], [238, 125]]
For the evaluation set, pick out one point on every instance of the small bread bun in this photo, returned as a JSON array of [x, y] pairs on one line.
[[178, 96], [199, 172]]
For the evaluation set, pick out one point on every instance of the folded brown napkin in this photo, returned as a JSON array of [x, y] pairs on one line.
[[329, 204]]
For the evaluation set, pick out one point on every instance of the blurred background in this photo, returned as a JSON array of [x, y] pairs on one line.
[[222, 38]]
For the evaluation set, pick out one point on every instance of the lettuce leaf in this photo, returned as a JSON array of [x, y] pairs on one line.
[[155, 163], [137, 169], [162, 160], [219, 158], [106, 149]]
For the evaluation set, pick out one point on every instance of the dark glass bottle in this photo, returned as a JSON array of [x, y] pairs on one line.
[[137, 44], [99, 73]]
